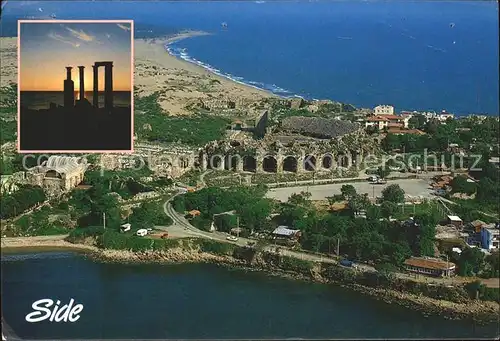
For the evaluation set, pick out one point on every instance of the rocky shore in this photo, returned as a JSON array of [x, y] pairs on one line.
[[479, 311]]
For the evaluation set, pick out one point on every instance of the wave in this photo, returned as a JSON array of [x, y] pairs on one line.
[[183, 54]]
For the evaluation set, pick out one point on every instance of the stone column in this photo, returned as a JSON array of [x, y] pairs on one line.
[[95, 94], [108, 87], [300, 164], [239, 165], [259, 163], [82, 82], [222, 164], [69, 89], [279, 163], [204, 161]]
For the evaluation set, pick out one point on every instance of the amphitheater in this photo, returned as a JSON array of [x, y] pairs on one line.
[[296, 145]]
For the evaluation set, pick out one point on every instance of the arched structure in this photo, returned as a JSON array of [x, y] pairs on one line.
[[290, 164], [310, 163], [249, 163], [270, 164]]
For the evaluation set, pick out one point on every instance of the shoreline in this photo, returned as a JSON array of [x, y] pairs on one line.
[[174, 38], [477, 311]]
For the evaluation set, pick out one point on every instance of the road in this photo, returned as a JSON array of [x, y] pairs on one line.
[[412, 187]]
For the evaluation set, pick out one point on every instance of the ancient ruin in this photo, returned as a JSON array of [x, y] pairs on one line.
[[297, 144]]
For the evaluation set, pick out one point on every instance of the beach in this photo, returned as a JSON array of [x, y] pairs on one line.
[[183, 87], [182, 84]]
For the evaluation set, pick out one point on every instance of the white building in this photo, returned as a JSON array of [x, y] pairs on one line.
[[443, 116], [384, 110], [490, 238]]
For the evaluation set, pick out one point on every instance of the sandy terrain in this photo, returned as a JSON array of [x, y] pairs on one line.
[[8, 60], [181, 84], [184, 84]]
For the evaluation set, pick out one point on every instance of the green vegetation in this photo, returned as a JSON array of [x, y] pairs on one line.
[[153, 124], [39, 223], [122, 182], [8, 111], [148, 215], [248, 202], [470, 133], [21, 200], [478, 290], [366, 239]]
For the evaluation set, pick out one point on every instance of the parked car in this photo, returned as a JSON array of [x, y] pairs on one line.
[[141, 232], [232, 238], [164, 235], [347, 263], [250, 243]]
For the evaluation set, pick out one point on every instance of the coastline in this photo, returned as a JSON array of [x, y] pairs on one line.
[[478, 311], [191, 34]]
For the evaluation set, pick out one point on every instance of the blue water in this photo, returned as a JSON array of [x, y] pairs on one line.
[[201, 301], [416, 55]]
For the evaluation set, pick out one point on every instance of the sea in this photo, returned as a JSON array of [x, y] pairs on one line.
[[41, 99], [415, 55], [200, 301]]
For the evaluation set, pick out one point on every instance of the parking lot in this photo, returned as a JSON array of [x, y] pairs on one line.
[[413, 188]]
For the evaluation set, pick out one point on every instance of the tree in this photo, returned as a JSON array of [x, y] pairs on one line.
[[358, 203], [383, 172], [373, 212], [348, 191], [470, 262], [388, 209], [459, 184], [393, 193]]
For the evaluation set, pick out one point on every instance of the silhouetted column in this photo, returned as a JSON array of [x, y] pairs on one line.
[[82, 82], [108, 87], [95, 94], [69, 90]]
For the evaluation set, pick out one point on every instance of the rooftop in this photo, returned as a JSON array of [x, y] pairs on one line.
[[284, 231], [430, 263], [454, 218]]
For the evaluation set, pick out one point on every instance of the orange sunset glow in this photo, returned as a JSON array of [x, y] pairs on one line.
[[46, 49]]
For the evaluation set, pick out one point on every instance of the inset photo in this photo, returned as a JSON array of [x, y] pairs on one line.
[[75, 86]]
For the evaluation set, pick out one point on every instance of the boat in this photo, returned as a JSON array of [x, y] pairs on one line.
[[224, 25]]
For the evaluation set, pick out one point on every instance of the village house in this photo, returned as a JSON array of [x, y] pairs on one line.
[[383, 110], [283, 234], [455, 221], [430, 266], [490, 238], [444, 115], [377, 121]]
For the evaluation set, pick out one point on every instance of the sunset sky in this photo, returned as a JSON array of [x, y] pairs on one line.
[[47, 48]]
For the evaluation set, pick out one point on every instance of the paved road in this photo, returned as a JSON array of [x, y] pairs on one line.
[[412, 187]]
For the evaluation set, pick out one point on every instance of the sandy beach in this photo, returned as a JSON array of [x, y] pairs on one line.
[[184, 87], [183, 84]]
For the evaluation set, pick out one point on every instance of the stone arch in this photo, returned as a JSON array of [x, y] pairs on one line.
[[354, 156], [327, 161], [344, 160], [310, 163], [270, 164], [249, 164], [231, 162], [290, 164], [216, 162]]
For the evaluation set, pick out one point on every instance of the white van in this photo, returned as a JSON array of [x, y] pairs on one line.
[[142, 232]]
